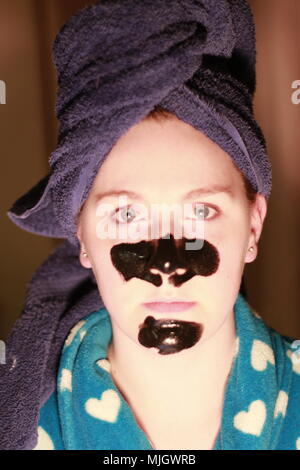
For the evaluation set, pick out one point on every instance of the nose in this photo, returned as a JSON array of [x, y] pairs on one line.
[[166, 273]]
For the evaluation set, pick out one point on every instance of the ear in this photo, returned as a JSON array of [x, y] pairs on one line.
[[258, 214], [84, 260]]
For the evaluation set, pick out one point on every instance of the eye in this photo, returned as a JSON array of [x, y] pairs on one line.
[[203, 211], [124, 214]]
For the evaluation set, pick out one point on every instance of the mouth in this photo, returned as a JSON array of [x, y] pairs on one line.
[[169, 305]]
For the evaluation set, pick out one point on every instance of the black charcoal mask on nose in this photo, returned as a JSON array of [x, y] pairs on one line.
[[166, 255]]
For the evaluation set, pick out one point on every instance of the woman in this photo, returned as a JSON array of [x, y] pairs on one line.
[[231, 223], [136, 371]]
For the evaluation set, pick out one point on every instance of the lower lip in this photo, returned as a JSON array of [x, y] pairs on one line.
[[169, 306]]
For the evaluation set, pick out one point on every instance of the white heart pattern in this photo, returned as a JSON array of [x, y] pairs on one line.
[[256, 314], [66, 380], [295, 361], [104, 364], [281, 403], [236, 346], [253, 420], [106, 408], [73, 332], [44, 441], [261, 354]]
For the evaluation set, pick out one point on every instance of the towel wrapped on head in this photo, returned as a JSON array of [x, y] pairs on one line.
[[116, 60]]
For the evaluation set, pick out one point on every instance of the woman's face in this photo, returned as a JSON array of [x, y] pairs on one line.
[[161, 162]]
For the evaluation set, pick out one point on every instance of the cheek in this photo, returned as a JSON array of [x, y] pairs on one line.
[[115, 292], [104, 268], [230, 240]]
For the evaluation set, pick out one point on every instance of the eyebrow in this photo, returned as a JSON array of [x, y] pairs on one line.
[[215, 189]]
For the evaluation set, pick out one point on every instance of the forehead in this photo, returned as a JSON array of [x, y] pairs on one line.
[[169, 155]]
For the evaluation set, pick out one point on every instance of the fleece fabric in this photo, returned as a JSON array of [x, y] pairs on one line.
[[261, 400]]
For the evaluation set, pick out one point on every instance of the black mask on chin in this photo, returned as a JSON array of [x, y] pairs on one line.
[[169, 336]]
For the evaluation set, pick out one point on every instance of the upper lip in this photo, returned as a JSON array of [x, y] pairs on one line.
[[167, 300]]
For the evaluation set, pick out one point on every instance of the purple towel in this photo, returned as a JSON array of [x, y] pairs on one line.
[[117, 60], [59, 294]]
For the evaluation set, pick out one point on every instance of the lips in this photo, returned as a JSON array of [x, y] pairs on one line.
[[169, 305]]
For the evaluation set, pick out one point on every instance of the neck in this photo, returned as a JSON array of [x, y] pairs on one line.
[[197, 374]]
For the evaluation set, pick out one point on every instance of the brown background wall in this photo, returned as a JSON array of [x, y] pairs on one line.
[[28, 130]]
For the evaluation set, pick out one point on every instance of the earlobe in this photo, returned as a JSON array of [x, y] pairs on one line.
[[251, 254], [84, 259]]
